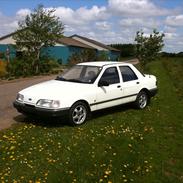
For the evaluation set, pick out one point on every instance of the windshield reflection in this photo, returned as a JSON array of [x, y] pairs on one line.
[[80, 74]]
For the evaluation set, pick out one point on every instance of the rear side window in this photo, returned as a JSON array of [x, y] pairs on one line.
[[110, 75], [127, 74]]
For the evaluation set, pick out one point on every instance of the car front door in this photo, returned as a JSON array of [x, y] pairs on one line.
[[108, 96]]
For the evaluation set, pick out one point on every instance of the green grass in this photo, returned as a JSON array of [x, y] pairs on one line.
[[174, 67], [118, 145]]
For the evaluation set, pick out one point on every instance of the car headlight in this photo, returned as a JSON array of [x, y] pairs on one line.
[[20, 97], [48, 103]]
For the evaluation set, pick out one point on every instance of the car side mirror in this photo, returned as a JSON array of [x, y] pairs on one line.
[[103, 83]]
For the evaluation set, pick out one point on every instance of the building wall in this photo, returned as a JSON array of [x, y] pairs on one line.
[[59, 53], [114, 55], [12, 51], [8, 40]]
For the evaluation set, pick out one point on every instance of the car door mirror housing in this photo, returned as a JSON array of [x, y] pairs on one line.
[[103, 83]]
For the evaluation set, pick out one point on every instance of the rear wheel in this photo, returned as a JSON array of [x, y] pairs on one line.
[[142, 100], [78, 113]]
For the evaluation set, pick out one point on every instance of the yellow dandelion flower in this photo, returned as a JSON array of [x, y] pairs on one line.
[[71, 172], [12, 147], [46, 174], [107, 172]]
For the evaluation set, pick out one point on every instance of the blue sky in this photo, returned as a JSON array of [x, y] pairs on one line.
[[109, 21]]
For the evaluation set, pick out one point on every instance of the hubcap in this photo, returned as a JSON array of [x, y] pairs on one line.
[[79, 114], [142, 101]]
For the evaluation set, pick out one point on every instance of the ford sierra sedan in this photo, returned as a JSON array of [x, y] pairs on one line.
[[87, 87]]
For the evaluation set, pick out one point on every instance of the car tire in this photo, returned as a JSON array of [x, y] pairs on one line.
[[78, 114], [142, 100]]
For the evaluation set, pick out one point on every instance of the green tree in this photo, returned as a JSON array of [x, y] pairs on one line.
[[38, 30], [102, 55], [126, 50], [86, 55], [148, 47]]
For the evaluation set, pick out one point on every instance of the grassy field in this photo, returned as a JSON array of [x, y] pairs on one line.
[[174, 67], [118, 145]]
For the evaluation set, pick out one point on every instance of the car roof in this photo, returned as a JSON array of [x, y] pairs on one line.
[[103, 63]]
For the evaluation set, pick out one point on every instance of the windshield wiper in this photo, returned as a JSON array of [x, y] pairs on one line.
[[75, 80], [59, 78]]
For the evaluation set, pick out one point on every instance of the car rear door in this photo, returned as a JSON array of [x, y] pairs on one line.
[[130, 85]]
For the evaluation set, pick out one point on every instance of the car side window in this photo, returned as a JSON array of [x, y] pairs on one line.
[[127, 74], [110, 75]]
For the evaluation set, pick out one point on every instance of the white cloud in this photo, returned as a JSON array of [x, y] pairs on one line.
[[23, 12], [8, 24], [104, 25], [82, 15], [95, 13], [170, 36], [139, 22], [69, 29], [12, 25], [169, 29], [174, 20], [142, 8]]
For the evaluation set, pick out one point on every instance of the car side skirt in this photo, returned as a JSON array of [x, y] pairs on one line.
[[105, 101]]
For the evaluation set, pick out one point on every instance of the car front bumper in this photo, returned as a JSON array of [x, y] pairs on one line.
[[42, 112]]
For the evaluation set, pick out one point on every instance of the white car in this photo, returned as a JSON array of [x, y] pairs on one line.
[[87, 87]]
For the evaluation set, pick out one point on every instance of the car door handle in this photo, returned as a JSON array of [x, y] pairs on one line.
[[137, 82], [119, 86]]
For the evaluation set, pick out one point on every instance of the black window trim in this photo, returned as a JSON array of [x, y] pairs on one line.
[[116, 67]]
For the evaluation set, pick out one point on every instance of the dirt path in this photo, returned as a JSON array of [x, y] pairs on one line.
[[8, 91], [133, 61]]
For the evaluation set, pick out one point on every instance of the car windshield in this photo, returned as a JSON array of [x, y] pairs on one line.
[[81, 74]]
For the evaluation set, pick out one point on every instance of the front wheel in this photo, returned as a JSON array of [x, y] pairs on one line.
[[78, 114], [142, 100]]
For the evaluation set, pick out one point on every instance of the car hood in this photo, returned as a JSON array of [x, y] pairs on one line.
[[53, 90]]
